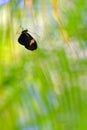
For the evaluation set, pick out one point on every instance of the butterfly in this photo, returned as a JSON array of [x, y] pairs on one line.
[[27, 40]]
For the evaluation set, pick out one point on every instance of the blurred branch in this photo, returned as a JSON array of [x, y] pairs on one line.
[[29, 4], [59, 21], [61, 27], [44, 13]]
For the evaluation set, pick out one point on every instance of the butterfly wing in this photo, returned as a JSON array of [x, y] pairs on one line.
[[28, 41]]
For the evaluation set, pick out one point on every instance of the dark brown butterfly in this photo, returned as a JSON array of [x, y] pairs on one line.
[[27, 40]]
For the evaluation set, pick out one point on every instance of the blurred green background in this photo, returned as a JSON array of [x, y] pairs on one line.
[[44, 89]]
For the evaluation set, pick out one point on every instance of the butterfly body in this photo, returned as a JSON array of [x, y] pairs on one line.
[[27, 40]]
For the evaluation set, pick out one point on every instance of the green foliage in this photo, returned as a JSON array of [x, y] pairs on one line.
[[46, 88], [76, 20]]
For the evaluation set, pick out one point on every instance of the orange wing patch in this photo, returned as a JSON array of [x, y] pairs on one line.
[[32, 41]]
